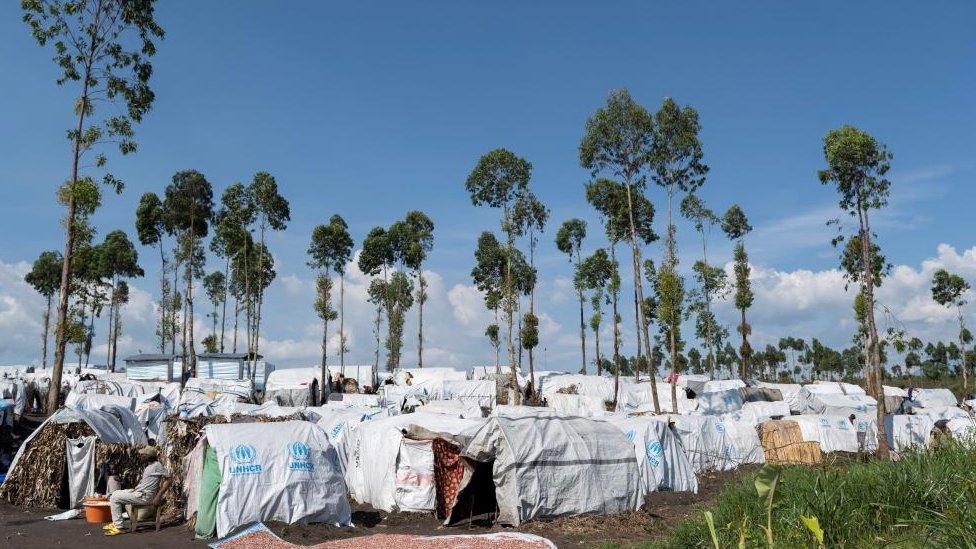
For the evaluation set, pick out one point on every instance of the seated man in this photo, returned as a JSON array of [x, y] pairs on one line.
[[152, 478]]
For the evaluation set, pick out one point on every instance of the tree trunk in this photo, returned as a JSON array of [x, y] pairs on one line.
[[47, 325], [257, 325], [582, 335], [743, 359], [223, 313], [865, 233], [596, 341], [420, 324], [532, 309], [637, 334], [376, 331], [115, 339], [962, 350], [674, 371], [192, 366], [510, 307], [342, 327], [639, 288], [616, 333], [325, 342], [237, 315], [498, 368], [174, 301]]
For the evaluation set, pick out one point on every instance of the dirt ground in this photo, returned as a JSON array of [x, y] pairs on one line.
[[27, 528]]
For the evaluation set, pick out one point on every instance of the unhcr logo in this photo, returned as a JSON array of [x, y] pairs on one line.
[[654, 451], [300, 452], [243, 456]]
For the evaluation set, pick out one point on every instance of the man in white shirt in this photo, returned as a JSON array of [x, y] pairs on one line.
[[152, 479]]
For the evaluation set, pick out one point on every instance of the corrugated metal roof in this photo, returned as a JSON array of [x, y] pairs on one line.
[[151, 358]]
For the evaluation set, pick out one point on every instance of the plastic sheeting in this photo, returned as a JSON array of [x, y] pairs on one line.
[[286, 471], [933, 398], [905, 432], [834, 433], [790, 391], [576, 405], [454, 408], [480, 393], [373, 452], [825, 400], [549, 466], [755, 413], [941, 412], [81, 469], [637, 398], [717, 443], [661, 459], [15, 390], [293, 386], [719, 402]]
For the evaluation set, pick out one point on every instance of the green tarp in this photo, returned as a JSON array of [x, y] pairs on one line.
[[209, 487]]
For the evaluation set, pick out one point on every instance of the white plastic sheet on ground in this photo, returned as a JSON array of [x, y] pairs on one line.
[[549, 466], [661, 459], [285, 471]]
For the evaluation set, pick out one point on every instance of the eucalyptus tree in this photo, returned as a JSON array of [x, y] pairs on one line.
[[118, 260], [856, 165], [416, 236], [151, 228], [711, 281], [496, 181], [529, 217], [948, 290], [850, 260], [102, 49], [252, 263], [231, 222], [595, 275], [45, 277], [272, 212], [329, 251], [395, 293], [488, 276], [378, 257], [569, 240], [609, 198], [670, 292], [618, 140], [215, 284], [735, 225], [189, 201]]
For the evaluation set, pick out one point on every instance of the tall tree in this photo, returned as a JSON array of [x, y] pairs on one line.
[[189, 200], [272, 211], [595, 275], [45, 277], [496, 181], [488, 276], [530, 216], [396, 293], [231, 237], [856, 166], [618, 140], [416, 234], [569, 240], [151, 227], [735, 225], [378, 256], [329, 251], [710, 280], [215, 284], [948, 290], [119, 260], [103, 47]]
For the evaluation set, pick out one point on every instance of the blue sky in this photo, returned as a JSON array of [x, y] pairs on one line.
[[370, 110]]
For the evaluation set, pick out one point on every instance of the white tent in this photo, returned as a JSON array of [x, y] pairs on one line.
[[389, 471], [722, 401], [755, 413], [904, 432], [432, 379], [941, 412], [717, 443], [286, 471], [576, 405], [293, 386], [790, 391], [549, 466], [453, 408], [637, 398], [834, 433], [480, 393], [826, 399], [661, 459], [932, 398]]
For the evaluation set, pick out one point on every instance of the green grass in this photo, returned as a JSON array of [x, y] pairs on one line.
[[926, 499]]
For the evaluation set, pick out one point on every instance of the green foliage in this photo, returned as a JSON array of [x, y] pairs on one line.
[[189, 203], [215, 285], [210, 343], [850, 261], [676, 151], [489, 271], [618, 139], [569, 238], [610, 199], [497, 178], [118, 257], [45, 273], [271, 208], [150, 219], [412, 239], [331, 246], [948, 288], [925, 499], [735, 225], [396, 295], [530, 331], [323, 297], [856, 165], [743, 287]]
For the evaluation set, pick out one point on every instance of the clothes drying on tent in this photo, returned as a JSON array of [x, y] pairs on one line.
[[285, 471], [548, 466]]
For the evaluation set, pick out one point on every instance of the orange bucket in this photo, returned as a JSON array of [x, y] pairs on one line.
[[98, 512]]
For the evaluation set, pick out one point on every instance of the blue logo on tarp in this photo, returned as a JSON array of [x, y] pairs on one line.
[[824, 422], [337, 429], [654, 451], [243, 456], [631, 435], [720, 427], [300, 453]]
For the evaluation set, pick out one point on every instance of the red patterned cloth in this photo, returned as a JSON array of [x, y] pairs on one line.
[[448, 470]]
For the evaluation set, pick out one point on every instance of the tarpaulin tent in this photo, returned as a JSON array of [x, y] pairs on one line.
[[904, 432], [834, 433], [930, 398], [390, 471], [453, 408], [637, 398], [293, 386], [576, 405], [286, 471], [823, 399], [712, 385], [789, 391], [548, 466], [941, 412], [717, 443], [661, 460], [478, 392], [722, 401], [755, 413], [432, 379], [14, 390]]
